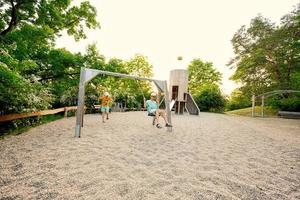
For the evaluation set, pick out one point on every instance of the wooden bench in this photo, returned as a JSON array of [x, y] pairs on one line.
[[289, 115]]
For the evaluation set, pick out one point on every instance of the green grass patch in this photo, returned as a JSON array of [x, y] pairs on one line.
[[20, 126], [269, 112]]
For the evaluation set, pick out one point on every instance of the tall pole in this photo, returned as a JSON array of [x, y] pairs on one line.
[[80, 106], [167, 104], [262, 106], [253, 105]]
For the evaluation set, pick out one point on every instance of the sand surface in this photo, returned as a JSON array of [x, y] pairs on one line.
[[213, 156]]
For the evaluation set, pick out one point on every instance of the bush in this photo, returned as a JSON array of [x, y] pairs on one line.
[[19, 94], [210, 99], [289, 102]]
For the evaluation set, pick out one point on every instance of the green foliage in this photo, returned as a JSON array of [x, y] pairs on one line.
[[288, 102], [24, 47], [139, 66], [267, 57], [131, 91], [35, 75], [238, 100], [56, 15], [202, 74], [204, 82], [19, 95], [210, 99]]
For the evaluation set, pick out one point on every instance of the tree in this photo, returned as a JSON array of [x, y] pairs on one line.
[[139, 66], [202, 74], [204, 82], [135, 90], [55, 15], [267, 56], [18, 95], [31, 66]]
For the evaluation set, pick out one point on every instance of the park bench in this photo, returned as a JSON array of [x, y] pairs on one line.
[[288, 114]]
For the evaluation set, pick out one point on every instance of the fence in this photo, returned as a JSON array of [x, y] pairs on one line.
[[266, 95], [11, 117], [3, 118]]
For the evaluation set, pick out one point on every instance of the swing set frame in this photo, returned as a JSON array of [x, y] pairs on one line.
[[87, 74]]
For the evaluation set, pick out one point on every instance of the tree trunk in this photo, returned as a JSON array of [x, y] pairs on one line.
[[13, 18]]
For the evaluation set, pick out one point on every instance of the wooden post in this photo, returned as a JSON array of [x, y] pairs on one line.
[[66, 112], [253, 105], [262, 106]]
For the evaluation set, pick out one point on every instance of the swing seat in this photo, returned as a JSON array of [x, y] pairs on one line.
[[151, 114]]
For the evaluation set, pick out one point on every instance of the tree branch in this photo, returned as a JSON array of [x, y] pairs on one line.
[[13, 18], [58, 76], [268, 58]]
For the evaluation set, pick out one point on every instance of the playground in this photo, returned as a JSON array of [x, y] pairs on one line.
[[211, 156], [149, 100]]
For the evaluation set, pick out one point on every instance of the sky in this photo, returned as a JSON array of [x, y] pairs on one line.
[[162, 30]]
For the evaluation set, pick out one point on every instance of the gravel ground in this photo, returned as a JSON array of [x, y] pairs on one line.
[[212, 156]]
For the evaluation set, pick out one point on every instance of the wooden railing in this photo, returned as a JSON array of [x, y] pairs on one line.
[[11, 117]]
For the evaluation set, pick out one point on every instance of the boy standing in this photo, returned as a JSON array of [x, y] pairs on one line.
[[105, 102]]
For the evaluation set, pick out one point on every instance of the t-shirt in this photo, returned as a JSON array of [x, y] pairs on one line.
[[105, 100], [151, 105]]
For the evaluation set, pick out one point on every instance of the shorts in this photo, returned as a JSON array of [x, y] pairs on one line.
[[153, 111], [105, 109]]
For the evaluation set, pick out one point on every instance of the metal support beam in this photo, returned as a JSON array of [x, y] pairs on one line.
[[80, 107], [122, 75], [90, 74], [167, 104], [160, 85]]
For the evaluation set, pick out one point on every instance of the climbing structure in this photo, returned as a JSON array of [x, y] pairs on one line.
[[178, 84]]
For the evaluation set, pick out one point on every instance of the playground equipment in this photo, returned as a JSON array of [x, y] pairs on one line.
[[87, 74], [179, 93], [265, 96]]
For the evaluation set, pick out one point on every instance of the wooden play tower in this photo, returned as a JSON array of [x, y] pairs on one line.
[[178, 84]]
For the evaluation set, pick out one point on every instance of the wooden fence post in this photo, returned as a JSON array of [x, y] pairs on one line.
[[253, 105], [262, 106], [66, 112]]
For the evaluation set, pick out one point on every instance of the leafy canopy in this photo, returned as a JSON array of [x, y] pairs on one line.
[[56, 15], [202, 74]]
